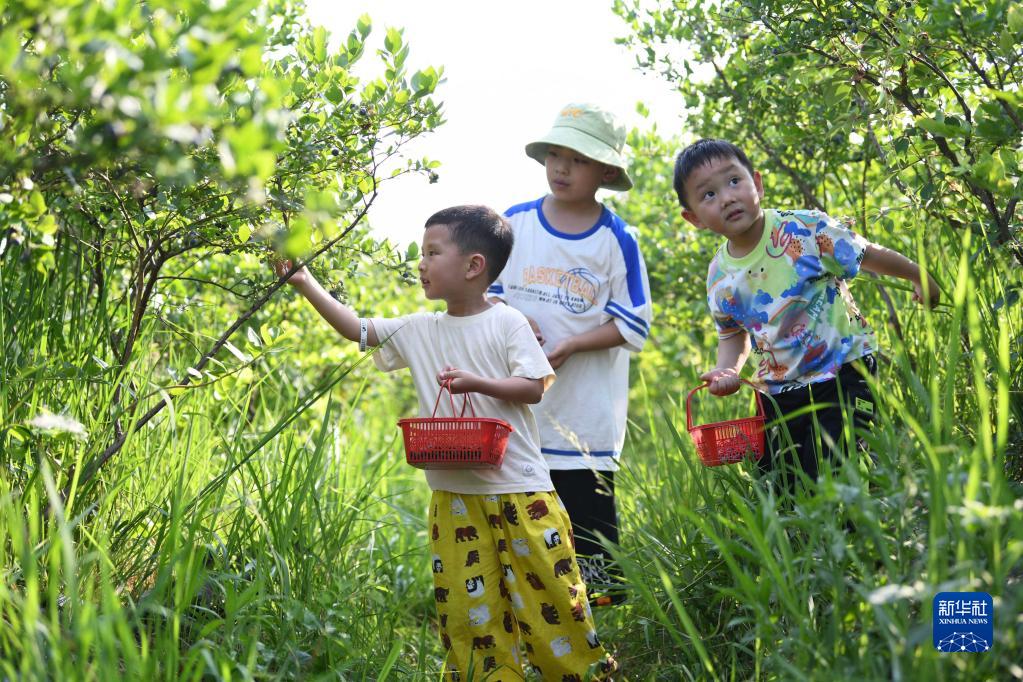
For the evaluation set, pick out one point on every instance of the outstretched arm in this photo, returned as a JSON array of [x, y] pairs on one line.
[[732, 354], [339, 317], [884, 261], [512, 389]]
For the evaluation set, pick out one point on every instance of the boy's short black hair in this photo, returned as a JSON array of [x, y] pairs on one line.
[[478, 229], [700, 153]]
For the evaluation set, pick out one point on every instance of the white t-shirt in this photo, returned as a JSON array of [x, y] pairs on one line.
[[497, 344], [570, 284]]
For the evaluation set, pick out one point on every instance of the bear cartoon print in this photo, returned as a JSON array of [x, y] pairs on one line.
[[506, 581]]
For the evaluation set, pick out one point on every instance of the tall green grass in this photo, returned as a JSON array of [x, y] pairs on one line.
[[303, 561], [253, 530], [733, 583], [265, 527]]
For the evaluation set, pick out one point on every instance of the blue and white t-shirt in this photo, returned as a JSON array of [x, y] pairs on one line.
[[570, 284]]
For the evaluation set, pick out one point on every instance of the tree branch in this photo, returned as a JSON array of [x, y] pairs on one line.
[[801, 185], [100, 460]]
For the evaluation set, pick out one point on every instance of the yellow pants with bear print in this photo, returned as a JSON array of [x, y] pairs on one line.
[[504, 572]]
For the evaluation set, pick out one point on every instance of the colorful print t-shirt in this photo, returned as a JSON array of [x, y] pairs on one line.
[[790, 294]]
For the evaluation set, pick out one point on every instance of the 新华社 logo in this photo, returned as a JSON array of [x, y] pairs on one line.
[[963, 622]]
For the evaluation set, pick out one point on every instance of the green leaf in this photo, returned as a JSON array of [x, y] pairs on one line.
[[47, 226], [253, 337], [259, 164], [320, 200], [1010, 98], [244, 232], [392, 43], [10, 48], [413, 251], [401, 57], [989, 170], [235, 352], [940, 128], [990, 121], [334, 94], [244, 142], [366, 185], [424, 81], [354, 48], [251, 60], [364, 25], [320, 44], [1015, 17], [300, 237], [36, 203]]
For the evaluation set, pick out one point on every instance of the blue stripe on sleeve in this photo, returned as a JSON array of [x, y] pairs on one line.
[[630, 252], [625, 314], [628, 323]]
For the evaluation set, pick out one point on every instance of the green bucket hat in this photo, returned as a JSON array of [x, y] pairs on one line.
[[591, 131]]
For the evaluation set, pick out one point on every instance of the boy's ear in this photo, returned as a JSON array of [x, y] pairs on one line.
[[611, 173], [758, 182], [691, 218], [476, 266]]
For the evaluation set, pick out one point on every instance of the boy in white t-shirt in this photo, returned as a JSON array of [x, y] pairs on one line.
[[577, 273], [503, 558]]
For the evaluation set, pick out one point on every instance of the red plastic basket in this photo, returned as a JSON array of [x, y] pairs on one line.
[[727, 442], [455, 442]]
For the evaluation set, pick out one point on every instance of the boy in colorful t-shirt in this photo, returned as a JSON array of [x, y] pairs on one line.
[[780, 280]]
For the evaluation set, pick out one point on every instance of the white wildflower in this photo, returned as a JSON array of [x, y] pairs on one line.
[[57, 423], [890, 593]]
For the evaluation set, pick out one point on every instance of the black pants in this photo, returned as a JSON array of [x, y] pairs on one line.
[[833, 400], [588, 497]]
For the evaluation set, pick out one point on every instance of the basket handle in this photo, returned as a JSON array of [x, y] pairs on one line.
[[466, 400], [689, 400]]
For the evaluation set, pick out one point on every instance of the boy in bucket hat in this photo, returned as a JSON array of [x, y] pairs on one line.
[[577, 273]]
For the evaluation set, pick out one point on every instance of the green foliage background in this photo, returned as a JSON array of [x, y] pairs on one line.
[[200, 482]]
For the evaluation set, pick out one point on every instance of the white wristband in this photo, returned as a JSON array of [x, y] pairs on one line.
[[363, 331]]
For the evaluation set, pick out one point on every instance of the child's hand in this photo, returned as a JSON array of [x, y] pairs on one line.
[[298, 278], [721, 381], [563, 351], [461, 380], [536, 330], [932, 290]]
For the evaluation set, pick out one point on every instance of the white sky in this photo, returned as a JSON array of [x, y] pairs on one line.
[[509, 67]]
